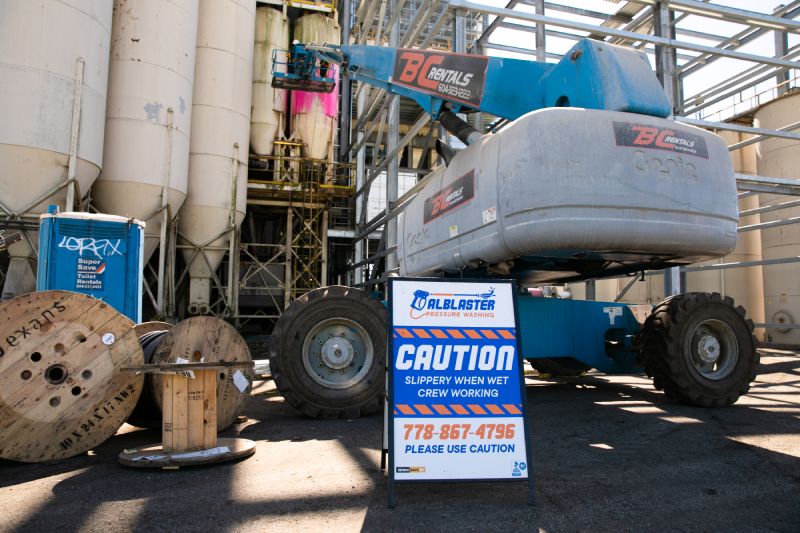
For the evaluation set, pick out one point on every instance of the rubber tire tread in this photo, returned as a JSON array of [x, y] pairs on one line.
[[286, 363], [662, 338]]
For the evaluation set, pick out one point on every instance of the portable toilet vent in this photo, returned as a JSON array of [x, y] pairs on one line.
[[95, 254]]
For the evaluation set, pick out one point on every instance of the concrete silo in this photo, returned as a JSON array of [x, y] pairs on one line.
[[314, 114], [148, 119], [780, 158], [268, 117], [217, 192], [54, 73]]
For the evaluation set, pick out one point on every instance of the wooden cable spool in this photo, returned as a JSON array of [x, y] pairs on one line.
[[147, 413], [211, 340], [61, 391], [189, 429]]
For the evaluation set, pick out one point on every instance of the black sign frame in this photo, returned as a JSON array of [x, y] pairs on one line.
[[389, 411]]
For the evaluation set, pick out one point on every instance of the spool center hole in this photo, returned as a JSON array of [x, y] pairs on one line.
[[55, 374]]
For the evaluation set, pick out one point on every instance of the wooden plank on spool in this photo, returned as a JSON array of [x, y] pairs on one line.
[[196, 399], [179, 415], [167, 434], [148, 327], [210, 407], [211, 340], [61, 391]]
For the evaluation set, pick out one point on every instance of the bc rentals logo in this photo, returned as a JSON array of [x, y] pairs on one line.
[[425, 302]]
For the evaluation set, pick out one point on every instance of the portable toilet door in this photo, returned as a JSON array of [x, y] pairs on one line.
[[95, 254]]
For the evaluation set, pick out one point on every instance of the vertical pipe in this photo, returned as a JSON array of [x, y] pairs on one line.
[[460, 32], [171, 265], [361, 203], [165, 217], [781, 49], [72, 169], [287, 277], [324, 238], [230, 308], [665, 55], [591, 291], [345, 100], [665, 70], [392, 140], [541, 47]]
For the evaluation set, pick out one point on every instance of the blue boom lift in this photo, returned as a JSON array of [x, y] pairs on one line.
[[590, 179]]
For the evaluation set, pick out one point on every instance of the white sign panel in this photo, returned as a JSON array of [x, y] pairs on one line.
[[457, 404]]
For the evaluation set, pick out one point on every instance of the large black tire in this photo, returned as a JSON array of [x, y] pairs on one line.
[[700, 349], [327, 353], [565, 367]]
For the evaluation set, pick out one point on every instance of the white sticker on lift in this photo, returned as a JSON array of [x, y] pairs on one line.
[[108, 338], [453, 231], [489, 215], [612, 312], [185, 373], [240, 381]]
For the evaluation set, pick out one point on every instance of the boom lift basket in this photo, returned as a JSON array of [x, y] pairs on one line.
[[302, 69]]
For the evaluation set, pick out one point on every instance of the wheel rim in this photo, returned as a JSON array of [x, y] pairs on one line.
[[337, 353], [713, 349]]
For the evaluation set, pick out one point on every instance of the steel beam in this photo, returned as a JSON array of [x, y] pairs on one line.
[[627, 35], [762, 133]]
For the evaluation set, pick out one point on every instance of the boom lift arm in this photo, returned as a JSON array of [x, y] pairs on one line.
[[593, 75]]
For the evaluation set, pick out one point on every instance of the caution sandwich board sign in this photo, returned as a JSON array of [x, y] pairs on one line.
[[456, 388]]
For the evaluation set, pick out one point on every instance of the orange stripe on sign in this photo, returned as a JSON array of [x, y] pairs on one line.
[[441, 409], [404, 333], [421, 333], [455, 333], [511, 408], [506, 334], [439, 334], [405, 409], [495, 410], [489, 334], [477, 409], [423, 409], [472, 334], [458, 409]]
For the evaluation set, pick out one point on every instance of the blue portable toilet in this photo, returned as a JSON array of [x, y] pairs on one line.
[[95, 254]]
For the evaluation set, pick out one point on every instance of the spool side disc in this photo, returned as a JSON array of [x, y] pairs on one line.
[[212, 340], [61, 391], [155, 457]]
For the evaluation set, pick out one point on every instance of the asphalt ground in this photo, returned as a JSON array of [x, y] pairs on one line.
[[610, 454]]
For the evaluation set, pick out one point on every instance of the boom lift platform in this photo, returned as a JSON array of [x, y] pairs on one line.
[[590, 179]]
